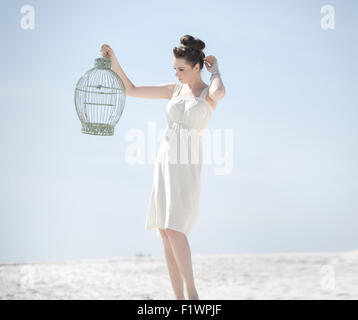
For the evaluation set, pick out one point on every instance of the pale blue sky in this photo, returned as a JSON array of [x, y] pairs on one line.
[[290, 101]]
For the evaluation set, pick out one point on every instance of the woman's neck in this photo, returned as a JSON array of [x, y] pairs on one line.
[[195, 84]]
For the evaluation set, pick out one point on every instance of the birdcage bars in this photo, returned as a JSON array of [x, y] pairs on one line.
[[99, 99]]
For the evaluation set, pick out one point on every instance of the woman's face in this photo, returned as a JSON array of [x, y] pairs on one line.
[[183, 71]]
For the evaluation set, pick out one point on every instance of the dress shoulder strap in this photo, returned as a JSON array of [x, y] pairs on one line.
[[176, 89]]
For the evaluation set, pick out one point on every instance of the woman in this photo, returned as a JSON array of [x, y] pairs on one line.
[[174, 200]]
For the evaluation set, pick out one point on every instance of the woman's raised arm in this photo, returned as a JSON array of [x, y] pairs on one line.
[[163, 91]]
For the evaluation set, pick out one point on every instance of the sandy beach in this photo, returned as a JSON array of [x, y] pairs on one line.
[[231, 276]]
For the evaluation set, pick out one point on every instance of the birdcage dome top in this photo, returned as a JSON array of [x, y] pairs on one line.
[[102, 63]]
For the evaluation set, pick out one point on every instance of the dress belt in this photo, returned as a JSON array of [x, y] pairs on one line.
[[174, 128], [172, 132]]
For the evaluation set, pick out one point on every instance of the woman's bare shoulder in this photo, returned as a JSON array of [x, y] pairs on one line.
[[171, 89]]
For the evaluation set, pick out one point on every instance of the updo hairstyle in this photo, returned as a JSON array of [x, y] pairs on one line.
[[191, 49]]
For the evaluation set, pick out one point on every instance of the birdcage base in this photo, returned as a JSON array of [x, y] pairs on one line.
[[99, 129]]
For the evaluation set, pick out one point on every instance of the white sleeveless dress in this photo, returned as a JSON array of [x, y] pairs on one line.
[[175, 195]]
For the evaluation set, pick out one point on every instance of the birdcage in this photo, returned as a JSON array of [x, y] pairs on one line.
[[99, 99]]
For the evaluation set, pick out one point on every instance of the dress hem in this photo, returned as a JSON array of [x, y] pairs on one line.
[[186, 232]]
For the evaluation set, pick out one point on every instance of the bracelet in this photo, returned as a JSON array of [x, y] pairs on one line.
[[215, 73]]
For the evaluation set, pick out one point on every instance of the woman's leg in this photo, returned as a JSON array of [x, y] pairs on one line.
[[175, 277], [181, 249]]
